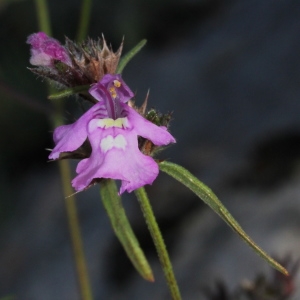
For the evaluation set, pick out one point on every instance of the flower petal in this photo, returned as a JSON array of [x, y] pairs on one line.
[[70, 137], [123, 91], [116, 155], [158, 135]]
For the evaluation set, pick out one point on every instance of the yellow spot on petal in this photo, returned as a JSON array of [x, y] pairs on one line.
[[108, 122]]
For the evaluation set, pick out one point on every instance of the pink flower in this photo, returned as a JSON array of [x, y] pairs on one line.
[[44, 50], [112, 128]]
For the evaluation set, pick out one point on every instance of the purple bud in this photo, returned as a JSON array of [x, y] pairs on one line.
[[44, 50]]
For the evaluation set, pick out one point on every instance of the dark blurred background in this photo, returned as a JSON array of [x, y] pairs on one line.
[[230, 72]]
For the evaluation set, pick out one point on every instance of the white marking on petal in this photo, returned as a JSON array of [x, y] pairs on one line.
[[107, 143], [125, 122], [120, 142], [41, 59], [110, 142], [93, 124]]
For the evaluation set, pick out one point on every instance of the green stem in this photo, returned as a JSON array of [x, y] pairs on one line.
[[70, 202], [84, 20], [159, 242], [43, 16], [121, 226], [74, 227], [69, 92], [72, 216]]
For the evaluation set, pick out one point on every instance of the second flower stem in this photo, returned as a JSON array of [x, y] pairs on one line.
[[43, 16], [158, 242], [84, 21], [70, 202], [72, 216], [75, 232]]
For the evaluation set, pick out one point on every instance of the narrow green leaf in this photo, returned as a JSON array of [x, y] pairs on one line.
[[69, 92], [121, 226], [129, 55], [207, 195], [158, 242]]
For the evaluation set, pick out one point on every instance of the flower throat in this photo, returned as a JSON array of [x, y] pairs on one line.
[[113, 100]]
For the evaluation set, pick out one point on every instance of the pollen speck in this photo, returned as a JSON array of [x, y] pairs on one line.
[[113, 92], [117, 83]]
